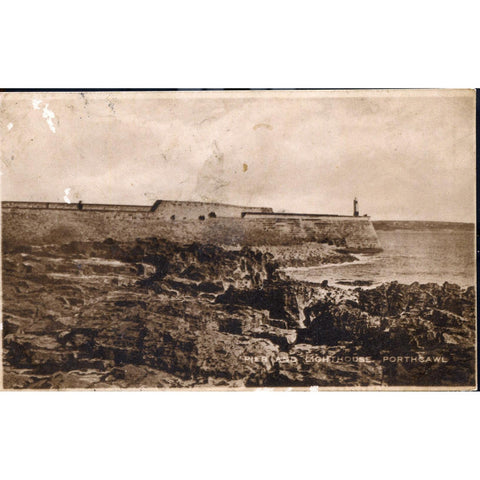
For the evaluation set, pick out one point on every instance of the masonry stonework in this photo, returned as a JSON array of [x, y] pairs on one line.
[[185, 222]]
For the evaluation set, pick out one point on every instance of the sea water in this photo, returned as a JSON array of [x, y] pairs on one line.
[[424, 256]]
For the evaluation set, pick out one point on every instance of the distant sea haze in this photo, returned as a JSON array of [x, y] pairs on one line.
[[424, 252]]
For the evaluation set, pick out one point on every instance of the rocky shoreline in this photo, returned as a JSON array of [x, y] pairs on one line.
[[155, 314]]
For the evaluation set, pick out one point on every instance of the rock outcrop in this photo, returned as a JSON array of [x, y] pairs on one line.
[[155, 314]]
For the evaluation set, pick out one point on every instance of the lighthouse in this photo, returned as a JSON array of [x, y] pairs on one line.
[[356, 213]]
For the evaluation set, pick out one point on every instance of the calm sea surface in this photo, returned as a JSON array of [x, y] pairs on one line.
[[408, 256]]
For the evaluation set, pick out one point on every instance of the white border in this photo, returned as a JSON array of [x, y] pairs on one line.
[[249, 44]]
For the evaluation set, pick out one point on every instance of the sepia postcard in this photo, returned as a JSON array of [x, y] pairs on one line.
[[236, 240]]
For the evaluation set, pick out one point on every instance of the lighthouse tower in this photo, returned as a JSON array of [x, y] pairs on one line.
[[356, 213]]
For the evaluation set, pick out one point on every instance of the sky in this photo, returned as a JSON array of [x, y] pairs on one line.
[[406, 155]]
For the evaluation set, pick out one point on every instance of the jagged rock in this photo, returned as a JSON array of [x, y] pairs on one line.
[[152, 313], [281, 337], [193, 273], [131, 303], [444, 318], [210, 287]]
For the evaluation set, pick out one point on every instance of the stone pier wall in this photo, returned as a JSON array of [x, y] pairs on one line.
[[41, 224]]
